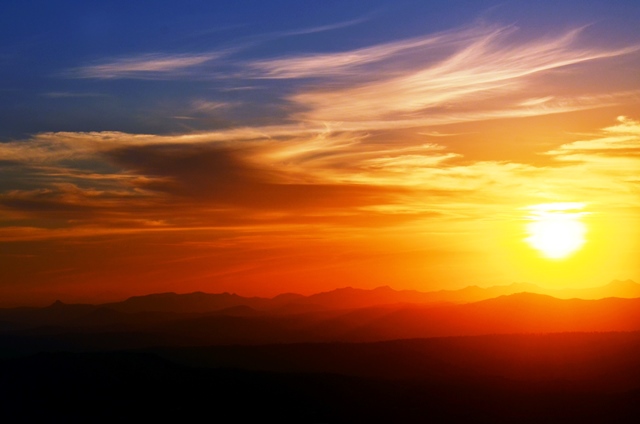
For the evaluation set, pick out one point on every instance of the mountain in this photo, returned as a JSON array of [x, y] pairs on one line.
[[616, 288], [349, 298], [197, 302], [517, 313], [522, 313], [345, 355], [557, 378], [160, 308], [343, 314], [352, 298]]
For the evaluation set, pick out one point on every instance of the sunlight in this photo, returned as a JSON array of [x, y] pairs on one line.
[[556, 230]]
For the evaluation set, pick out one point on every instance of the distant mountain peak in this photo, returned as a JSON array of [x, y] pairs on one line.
[[384, 288], [57, 304], [522, 297], [152, 295]]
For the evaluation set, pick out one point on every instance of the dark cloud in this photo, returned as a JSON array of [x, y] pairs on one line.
[[67, 204], [221, 176]]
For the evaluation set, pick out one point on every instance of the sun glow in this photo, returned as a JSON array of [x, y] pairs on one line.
[[556, 230]]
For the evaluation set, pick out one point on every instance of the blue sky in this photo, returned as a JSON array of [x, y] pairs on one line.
[[51, 54]]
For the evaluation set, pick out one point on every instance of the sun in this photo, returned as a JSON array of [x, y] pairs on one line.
[[555, 229]]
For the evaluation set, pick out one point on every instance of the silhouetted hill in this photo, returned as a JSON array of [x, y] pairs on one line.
[[352, 298], [135, 387], [589, 361], [342, 298], [348, 355], [197, 302], [518, 313], [57, 313], [561, 378], [102, 328]]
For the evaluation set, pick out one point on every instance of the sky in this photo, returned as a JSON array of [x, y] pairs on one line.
[[285, 146]]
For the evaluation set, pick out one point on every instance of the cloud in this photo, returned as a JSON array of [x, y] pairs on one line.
[[146, 66], [282, 177], [66, 95], [323, 28], [224, 177], [62, 198], [349, 63], [115, 180], [621, 141], [602, 168], [168, 66], [298, 174], [210, 106], [52, 147], [473, 73], [350, 154], [480, 71]]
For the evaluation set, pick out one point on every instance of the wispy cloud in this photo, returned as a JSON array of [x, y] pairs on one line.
[[349, 63], [480, 71], [323, 28], [67, 94], [143, 66], [615, 151], [471, 73]]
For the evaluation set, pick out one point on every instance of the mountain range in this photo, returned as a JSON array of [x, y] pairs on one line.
[[350, 298], [489, 355], [342, 315]]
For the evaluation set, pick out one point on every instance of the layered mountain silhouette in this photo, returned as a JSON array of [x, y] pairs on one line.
[[345, 315], [497, 355], [349, 298]]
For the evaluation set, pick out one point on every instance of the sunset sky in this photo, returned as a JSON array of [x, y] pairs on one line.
[[261, 147]]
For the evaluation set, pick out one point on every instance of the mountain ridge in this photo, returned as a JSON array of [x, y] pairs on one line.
[[339, 298], [350, 297], [520, 313]]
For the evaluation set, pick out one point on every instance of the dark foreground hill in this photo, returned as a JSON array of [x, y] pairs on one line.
[[525, 358], [560, 378]]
